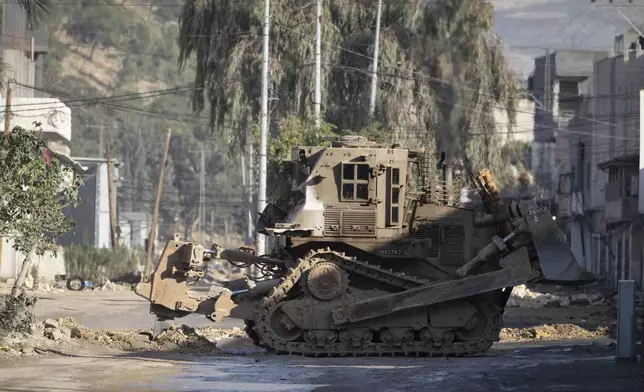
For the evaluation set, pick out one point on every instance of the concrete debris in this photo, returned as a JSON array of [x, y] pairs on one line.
[[209, 341], [112, 286], [523, 297], [552, 332], [37, 329], [183, 339], [54, 334], [54, 289], [64, 333], [51, 323]]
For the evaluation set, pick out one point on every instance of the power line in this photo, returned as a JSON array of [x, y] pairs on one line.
[[439, 80]]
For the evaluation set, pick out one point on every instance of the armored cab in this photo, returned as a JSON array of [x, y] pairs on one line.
[[385, 204], [373, 257]]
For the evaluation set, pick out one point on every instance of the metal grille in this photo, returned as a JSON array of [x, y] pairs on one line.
[[431, 232], [358, 223], [451, 249], [332, 223]]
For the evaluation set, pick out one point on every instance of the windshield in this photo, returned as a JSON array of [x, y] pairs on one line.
[[413, 177]]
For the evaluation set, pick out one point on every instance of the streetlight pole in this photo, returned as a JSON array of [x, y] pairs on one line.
[[263, 134]]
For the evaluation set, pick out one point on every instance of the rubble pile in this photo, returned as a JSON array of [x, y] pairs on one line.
[[56, 288], [552, 332], [523, 297], [183, 339], [17, 344], [114, 286], [62, 333]]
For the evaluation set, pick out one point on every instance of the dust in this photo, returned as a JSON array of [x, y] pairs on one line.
[[552, 332]]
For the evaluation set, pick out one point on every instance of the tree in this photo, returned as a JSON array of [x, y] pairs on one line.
[[34, 191], [36, 10], [441, 73]]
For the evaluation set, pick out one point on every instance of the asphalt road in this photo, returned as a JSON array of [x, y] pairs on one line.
[[561, 369]]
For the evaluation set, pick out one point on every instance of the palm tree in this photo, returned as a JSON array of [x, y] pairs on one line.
[[35, 10]]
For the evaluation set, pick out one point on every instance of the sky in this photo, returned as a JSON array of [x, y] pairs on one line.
[[528, 27]]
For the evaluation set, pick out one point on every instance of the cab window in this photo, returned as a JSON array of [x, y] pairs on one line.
[[355, 181], [394, 197]]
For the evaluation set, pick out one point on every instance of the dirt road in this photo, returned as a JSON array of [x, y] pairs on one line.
[[124, 309], [108, 310]]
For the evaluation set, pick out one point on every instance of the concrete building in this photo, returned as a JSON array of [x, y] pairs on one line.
[[135, 228], [24, 49], [524, 126], [92, 215], [558, 80], [558, 86], [618, 81], [54, 117], [603, 181]]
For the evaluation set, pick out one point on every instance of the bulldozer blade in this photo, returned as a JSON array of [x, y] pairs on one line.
[[558, 263]]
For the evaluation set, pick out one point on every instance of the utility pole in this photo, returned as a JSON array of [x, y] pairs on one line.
[[250, 193], [547, 178], [263, 134], [374, 72], [202, 192], [110, 196], [318, 62], [247, 237], [101, 142], [7, 113], [155, 215]]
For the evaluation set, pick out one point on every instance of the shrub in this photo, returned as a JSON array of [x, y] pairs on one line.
[[100, 264], [16, 313]]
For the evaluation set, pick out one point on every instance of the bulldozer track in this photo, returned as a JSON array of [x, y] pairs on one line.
[[261, 330]]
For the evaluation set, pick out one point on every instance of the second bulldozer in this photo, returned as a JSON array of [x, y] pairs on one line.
[[374, 258]]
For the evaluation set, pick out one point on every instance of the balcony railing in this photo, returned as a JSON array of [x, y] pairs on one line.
[[616, 190], [622, 209]]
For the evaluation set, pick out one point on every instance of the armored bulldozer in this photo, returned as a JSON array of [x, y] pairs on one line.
[[373, 257]]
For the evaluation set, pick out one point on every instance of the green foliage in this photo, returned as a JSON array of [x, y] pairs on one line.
[[144, 55], [374, 132], [294, 131], [102, 22], [16, 313], [33, 194], [100, 264], [290, 132], [441, 76]]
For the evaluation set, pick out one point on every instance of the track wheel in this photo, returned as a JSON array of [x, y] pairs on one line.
[[475, 328], [282, 326]]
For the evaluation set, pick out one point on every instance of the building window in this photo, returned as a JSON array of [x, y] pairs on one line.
[[394, 212], [588, 176], [355, 181]]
